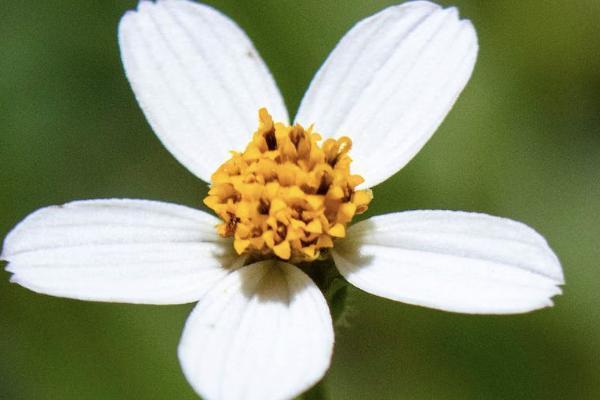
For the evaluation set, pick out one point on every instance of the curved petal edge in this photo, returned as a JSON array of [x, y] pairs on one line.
[[132, 251], [198, 79], [453, 261], [263, 333], [390, 82]]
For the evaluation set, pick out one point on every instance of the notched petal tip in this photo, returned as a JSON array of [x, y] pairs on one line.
[[141, 6], [422, 4], [558, 290], [9, 266], [146, 3]]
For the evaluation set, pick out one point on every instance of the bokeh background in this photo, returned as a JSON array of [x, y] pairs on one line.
[[522, 142]]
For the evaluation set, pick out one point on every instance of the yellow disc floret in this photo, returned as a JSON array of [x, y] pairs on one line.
[[286, 195]]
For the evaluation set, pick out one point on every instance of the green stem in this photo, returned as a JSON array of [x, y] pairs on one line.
[[335, 290], [337, 296]]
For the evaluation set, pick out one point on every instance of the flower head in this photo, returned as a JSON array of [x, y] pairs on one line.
[[284, 196]]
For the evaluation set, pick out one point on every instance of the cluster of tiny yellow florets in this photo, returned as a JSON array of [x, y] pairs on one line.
[[285, 194]]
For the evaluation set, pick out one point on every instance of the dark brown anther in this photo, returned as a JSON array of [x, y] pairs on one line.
[[271, 140], [231, 224], [306, 243], [281, 230], [263, 207], [334, 160], [347, 194], [324, 185], [298, 211], [307, 189], [295, 136]]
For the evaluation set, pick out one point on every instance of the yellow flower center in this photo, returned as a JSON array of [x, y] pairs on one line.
[[286, 195]]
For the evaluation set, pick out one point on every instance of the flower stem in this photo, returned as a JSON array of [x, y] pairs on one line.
[[337, 296], [335, 290]]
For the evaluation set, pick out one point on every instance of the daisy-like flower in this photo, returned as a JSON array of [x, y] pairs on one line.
[[262, 328]]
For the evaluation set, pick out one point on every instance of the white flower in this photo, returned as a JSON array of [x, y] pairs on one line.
[[262, 330]]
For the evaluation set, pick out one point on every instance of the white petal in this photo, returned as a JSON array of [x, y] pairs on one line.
[[198, 79], [133, 251], [454, 261], [390, 82], [264, 333]]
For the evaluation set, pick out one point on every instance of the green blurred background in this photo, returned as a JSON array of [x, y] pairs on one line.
[[522, 142]]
